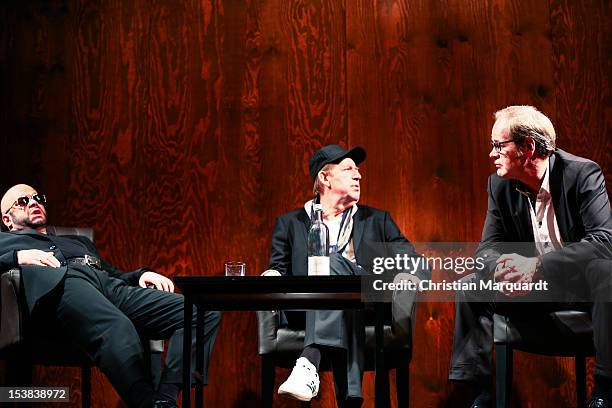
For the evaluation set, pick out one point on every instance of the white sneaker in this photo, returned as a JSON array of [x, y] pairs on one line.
[[303, 382]]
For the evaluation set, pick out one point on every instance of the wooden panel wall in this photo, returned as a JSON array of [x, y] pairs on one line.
[[180, 129]]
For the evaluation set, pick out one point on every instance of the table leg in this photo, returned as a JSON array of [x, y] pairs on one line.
[[188, 312], [199, 395], [381, 393]]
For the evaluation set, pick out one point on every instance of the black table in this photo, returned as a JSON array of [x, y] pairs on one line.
[[271, 293]]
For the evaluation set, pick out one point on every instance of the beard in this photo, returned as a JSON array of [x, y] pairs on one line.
[[25, 222]]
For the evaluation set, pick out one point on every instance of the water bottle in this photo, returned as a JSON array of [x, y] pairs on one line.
[[318, 244]]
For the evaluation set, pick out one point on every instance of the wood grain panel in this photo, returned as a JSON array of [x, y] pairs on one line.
[[302, 107], [427, 77], [581, 38], [305, 48], [582, 57], [181, 129]]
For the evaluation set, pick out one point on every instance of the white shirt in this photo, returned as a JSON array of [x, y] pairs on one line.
[[543, 219]]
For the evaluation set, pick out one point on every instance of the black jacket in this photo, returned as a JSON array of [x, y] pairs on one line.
[[582, 209], [372, 230], [39, 281]]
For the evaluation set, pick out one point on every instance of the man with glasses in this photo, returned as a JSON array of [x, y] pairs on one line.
[[97, 308], [548, 219], [337, 187]]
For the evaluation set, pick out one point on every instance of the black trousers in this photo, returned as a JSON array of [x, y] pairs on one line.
[[106, 318], [340, 334], [473, 341]]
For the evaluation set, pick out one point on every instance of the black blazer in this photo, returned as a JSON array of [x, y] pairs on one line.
[[371, 228], [582, 209], [39, 281]]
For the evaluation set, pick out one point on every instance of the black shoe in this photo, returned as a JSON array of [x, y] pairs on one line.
[[483, 400], [482, 403], [164, 404], [598, 402], [478, 404]]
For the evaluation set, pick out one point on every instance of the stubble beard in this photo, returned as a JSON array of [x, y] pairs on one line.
[[26, 223]]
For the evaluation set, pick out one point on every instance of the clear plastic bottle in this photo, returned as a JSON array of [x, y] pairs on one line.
[[318, 244]]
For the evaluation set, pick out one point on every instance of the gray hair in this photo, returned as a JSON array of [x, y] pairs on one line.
[[318, 187], [526, 121]]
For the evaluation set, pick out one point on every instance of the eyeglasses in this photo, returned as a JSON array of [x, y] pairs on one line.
[[498, 145], [25, 201]]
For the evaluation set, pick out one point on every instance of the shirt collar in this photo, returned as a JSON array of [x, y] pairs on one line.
[[544, 187], [308, 208]]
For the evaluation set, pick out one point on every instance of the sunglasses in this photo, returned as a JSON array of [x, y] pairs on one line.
[[25, 201]]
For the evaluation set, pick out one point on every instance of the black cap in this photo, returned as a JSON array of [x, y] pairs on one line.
[[333, 154]]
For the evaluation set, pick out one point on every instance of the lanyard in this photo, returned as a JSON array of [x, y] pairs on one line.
[[335, 248]]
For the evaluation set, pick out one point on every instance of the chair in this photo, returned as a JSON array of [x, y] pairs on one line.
[[21, 353], [281, 346], [567, 333]]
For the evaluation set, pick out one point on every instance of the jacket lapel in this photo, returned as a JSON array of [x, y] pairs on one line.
[[358, 226], [521, 213], [559, 197], [304, 219]]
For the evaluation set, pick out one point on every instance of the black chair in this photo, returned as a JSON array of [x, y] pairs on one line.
[[567, 333], [22, 353], [281, 346]]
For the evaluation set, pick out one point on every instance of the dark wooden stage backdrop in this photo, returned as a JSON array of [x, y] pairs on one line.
[[180, 129]]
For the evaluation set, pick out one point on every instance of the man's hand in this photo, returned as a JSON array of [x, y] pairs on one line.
[[37, 257], [516, 268], [160, 281]]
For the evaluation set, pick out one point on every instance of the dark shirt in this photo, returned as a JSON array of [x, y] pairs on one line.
[[70, 247]]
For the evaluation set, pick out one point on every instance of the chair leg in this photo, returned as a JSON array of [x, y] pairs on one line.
[[86, 386], [267, 381], [402, 383], [20, 368], [155, 361], [580, 381], [339, 363], [503, 374]]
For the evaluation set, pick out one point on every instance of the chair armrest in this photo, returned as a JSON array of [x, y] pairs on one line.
[[573, 322], [11, 314], [504, 331], [403, 310], [267, 326], [85, 232]]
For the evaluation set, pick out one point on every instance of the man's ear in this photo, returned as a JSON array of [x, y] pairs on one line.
[[528, 147], [323, 178], [6, 220]]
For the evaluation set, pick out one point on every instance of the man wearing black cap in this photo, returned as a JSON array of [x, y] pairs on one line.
[[339, 333]]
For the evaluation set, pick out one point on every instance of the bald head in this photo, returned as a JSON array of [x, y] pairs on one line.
[[13, 193], [16, 216]]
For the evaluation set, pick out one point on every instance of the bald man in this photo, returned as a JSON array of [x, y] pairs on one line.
[[97, 308]]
